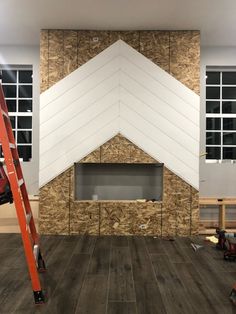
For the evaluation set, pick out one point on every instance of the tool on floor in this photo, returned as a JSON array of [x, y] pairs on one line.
[[21, 200], [221, 239], [230, 253], [227, 242], [196, 247]]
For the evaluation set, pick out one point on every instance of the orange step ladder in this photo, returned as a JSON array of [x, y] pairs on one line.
[[29, 234]]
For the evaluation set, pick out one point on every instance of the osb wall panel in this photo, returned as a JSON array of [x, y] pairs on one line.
[[98, 42], [185, 58], [118, 150], [176, 215], [44, 60], [146, 219], [194, 211], [156, 47], [70, 61], [84, 218], [83, 47], [139, 156], [121, 150], [63, 51], [126, 218], [54, 205], [132, 38], [55, 56], [115, 218], [176, 205]]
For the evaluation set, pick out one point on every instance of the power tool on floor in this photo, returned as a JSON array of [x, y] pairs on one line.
[[227, 242]]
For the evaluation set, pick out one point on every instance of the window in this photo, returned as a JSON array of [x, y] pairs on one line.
[[220, 114], [17, 84]]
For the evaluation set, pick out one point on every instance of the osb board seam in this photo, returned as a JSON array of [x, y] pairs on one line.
[[48, 62], [63, 43], [69, 201], [99, 219], [190, 210]]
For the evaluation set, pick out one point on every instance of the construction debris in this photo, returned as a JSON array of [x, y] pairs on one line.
[[212, 239], [196, 246]]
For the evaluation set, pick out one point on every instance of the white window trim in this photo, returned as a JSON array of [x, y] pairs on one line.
[[220, 115], [17, 113]]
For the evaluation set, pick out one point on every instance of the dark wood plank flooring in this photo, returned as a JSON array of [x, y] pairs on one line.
[[118, 275]]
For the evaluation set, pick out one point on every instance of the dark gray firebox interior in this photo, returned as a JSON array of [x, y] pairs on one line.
[[110, 181]]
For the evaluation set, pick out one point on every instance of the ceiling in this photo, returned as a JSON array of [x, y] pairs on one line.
[[21, 20]]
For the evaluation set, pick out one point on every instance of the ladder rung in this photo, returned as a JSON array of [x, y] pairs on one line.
[[20, 182], [28, 218], [36, 252], [12, 145], [5, 114]]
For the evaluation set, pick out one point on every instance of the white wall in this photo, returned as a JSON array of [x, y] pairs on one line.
[[216, 180], [17, 55]]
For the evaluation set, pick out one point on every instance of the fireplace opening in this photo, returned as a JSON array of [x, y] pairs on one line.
[[118, 181]]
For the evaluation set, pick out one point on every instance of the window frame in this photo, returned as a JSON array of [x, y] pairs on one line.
[[17, 113], [220, 114]]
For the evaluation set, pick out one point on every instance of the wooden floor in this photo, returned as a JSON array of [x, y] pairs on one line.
[[118, 275]]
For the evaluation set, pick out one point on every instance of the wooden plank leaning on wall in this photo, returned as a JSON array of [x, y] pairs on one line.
[[221, 202]]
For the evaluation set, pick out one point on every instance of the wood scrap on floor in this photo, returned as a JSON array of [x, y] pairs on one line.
[[212, 239], [196, 246]]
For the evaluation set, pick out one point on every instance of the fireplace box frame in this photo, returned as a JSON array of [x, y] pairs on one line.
[[118, 181]]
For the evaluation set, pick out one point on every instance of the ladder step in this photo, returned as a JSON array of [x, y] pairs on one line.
[[28, 218], [36, 252], [20, 182], [5, 114], [12, 145]]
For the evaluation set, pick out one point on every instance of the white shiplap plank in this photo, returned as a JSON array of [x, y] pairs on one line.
[[160, 107], [84, 148], [154, 150], [63, 134], [62, 148], [80, 104], [179, 155], [160, 122], [79, 90], [160, 91]]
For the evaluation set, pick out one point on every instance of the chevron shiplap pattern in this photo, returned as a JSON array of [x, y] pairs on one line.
[[119, 91]]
